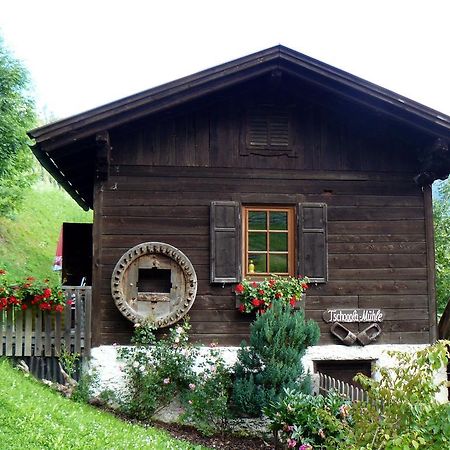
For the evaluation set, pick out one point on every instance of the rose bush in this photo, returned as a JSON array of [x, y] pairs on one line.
[[259, 295], [21, 295]]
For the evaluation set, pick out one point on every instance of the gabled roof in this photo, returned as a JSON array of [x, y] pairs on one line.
[[66, 132]]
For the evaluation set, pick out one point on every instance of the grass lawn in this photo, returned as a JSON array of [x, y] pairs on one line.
[[32, 416], [28, 241]]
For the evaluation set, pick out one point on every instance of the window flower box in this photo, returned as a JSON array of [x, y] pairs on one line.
[[258, 296]]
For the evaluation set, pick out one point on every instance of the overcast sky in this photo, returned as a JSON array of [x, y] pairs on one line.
[[84, 53]]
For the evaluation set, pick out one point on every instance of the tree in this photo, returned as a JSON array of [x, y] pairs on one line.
[[272, 361], [441, 213], [17, 115]]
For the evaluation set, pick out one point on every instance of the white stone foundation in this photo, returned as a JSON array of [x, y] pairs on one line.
[[109, 369]]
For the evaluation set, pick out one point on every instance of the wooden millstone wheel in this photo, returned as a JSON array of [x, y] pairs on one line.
[[154, 281]]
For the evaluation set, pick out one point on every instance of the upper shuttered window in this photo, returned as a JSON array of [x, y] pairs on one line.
[[268, 128]]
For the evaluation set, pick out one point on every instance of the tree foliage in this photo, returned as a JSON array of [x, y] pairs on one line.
[[272, 361], [17, 115], [441, 212]]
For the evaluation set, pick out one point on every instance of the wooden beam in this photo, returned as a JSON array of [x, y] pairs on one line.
[[429, 233], [103, 155], [96, 264]]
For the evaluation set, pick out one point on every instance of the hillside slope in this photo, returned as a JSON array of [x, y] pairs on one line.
[[33, 417], [28, 242]]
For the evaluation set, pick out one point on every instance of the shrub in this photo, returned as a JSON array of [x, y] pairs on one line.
[[157, 370], [207, 399], [300, 419], [402, 411], [272, 362]]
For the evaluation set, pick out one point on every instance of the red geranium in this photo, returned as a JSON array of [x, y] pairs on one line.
[[256, 302], [239, 289], [259, 296], [20, 295]]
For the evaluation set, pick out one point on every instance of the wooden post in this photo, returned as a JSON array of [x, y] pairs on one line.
[[87, 320], [96, 260], [9, 333], [19, 333], [431, 274], [38, 333], [28, 332]]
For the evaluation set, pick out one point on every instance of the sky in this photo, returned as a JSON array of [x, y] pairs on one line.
[[85, 53]]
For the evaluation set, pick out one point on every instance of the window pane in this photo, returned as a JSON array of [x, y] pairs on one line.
[[278, 263], [278, 220], [257, 220], [278, 242], [257, 242], [259, 261]]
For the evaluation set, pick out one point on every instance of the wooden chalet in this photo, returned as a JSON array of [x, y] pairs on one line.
[[276, 160]]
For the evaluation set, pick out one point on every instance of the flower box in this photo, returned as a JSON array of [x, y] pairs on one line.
[[300, 304], [257, 296]]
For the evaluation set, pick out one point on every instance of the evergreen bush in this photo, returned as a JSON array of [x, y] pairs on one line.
[[272, 361]]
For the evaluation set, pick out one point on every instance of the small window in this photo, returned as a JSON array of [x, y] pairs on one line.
[[345, 370], [268, 241], [268, 128]]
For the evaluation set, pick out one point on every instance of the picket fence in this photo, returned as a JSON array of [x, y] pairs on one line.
[[353, 393], [43, 334]]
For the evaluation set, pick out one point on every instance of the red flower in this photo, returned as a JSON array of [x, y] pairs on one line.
[[13, 300], [239, 289], [59, 308], [24, 307], [37, 299], [31, 278], [71, 302], [272, 282], [292, 301], [2, 271], [255, 284], [261, 292], [256, 302], [26, 285], [44, 306], [278, 295], [47, 293], [304, 286], [241, 307]]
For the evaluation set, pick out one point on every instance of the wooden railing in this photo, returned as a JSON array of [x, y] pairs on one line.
[[37, 333], [353, 393]]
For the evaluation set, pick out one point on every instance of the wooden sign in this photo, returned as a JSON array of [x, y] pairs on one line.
[[353, 315]]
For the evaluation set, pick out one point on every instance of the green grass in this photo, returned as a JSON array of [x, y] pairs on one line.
[[28, 241], [34, 417]]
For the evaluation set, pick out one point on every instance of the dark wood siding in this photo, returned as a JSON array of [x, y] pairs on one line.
[[166, 171]]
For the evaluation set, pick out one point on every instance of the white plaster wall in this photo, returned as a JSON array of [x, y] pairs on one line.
[[109, 369]]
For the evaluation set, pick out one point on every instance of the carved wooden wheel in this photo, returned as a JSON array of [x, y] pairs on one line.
[[154, 281]]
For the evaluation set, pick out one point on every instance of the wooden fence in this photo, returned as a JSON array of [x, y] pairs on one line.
[[353, 393], [37, 333]]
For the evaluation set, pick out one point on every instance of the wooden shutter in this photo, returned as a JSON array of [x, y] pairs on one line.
[[312, 241], [268, 127], [225, 261]]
